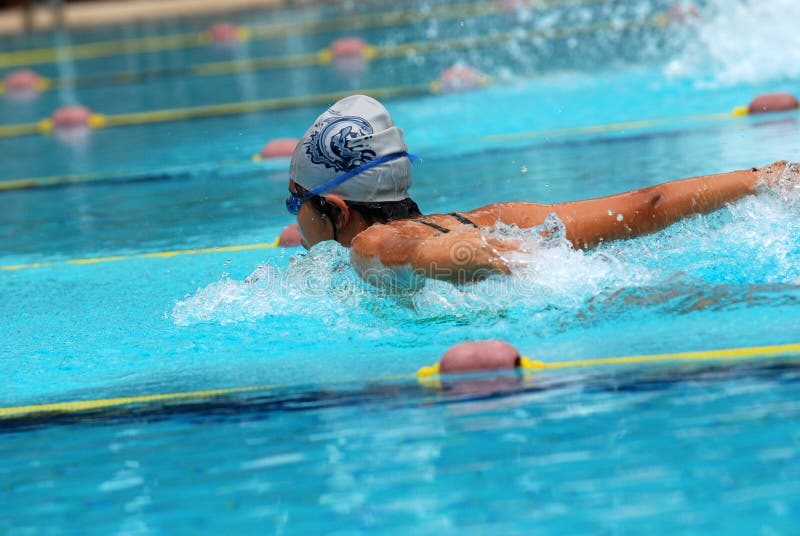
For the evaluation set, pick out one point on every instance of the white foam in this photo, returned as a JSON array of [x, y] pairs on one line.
[[742, 41], [752, 241], [322, 287]]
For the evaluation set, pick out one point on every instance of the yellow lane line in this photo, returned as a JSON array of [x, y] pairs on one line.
[[20, 129], [54, 180], [155, 255], [197, 39], [706, 355], [103, 49], [87, 405], [261, 32], [610, 127], [730, 353], [232, 108], [212, 110], [324, 57], [194, 112]]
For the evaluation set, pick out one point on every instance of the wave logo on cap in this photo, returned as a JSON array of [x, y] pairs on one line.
[[337, 143]]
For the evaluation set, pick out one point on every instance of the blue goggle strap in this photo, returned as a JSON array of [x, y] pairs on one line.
[[336, 181]]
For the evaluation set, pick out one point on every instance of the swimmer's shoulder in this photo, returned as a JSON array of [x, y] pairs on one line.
[[394, 242], [390, 242], [382, 258]]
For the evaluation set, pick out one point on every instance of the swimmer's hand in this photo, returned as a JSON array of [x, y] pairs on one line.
[[780, 174], [462, 256]]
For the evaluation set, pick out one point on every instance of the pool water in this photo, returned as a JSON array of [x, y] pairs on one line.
[[346, 440], [703, 450]]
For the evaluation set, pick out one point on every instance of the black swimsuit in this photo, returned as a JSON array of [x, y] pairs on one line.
[[459, 217]]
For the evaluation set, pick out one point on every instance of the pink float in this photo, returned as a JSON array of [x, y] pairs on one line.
[[513, 7], [279, 148], [773, 102], [71, 117], [479, 355], [348, 47], [22, 80], [460, 78], [23, 84], [290, 237], [224, 33], [683, 13], [349, 57]]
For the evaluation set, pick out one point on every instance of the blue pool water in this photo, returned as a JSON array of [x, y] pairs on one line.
[[346, 440]]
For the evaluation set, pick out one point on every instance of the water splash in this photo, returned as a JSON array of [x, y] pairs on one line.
[[744, 41], [321, 287], [750, 243]]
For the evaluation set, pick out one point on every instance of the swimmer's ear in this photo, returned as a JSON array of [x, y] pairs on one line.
[[344, 210]]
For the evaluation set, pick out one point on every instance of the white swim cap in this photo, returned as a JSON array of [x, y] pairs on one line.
[[352, 132]]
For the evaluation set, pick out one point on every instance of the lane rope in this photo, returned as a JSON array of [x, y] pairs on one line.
[[46, 125], [614, 127], [423, 375], [155, 255], [118, 176], [86, 405], [123, 177], [386, 19], [325, 56], [730, 353]]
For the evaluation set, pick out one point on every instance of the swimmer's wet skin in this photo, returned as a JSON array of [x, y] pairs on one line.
[[349, 181]]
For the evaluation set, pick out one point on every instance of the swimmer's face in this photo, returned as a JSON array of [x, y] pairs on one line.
[[314, 226]]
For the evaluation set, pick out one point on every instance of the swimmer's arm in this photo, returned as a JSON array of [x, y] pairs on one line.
[[639, 212], [461, 256]]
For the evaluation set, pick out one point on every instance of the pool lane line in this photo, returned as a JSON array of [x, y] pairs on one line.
[[616, 127], [254, 163], [736, 113], [172, 172], [155, 255], [245, 33], [384, 19], [729, 353], [88, 405], [46, 126], [424, 376], [325, 57], [100, 177], [98, 121]]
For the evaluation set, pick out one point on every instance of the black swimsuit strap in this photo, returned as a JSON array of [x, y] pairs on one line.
[[431, 224], [462, 219], [459, 217]]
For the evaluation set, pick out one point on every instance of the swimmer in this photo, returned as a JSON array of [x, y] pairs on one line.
[[349, 180]]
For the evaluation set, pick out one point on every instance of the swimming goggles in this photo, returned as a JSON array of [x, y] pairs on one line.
[[295, 201]]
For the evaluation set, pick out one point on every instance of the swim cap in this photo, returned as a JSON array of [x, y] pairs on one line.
[[352, 132]]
